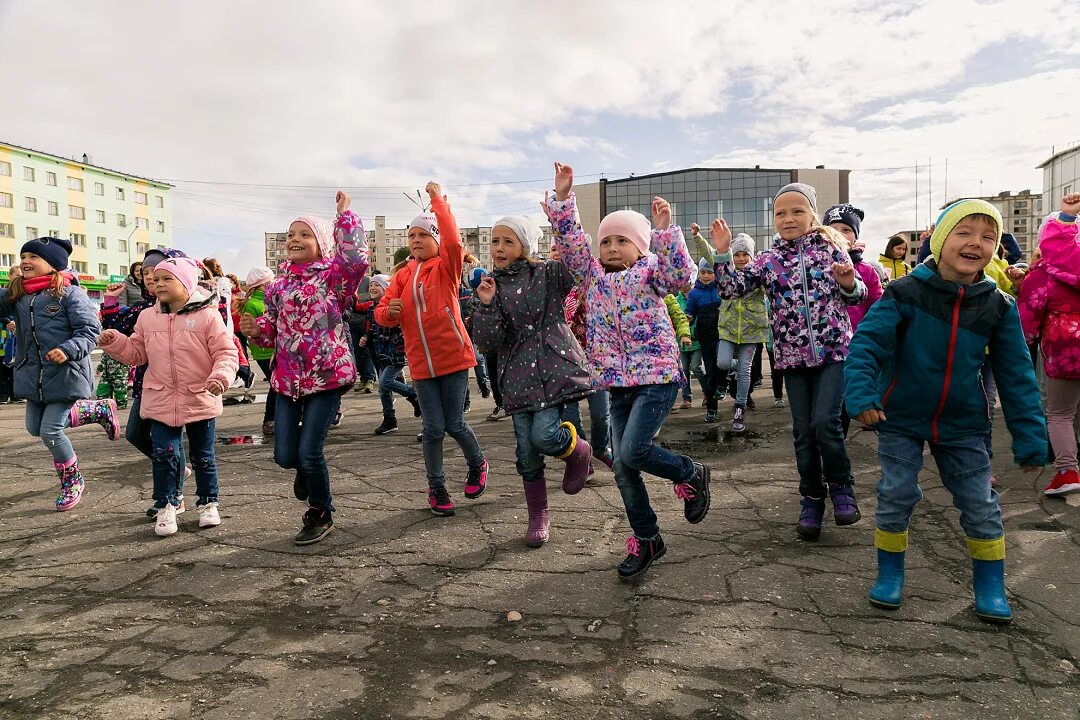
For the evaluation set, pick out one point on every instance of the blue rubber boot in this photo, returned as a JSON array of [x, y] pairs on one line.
[[988, 575], [888, 590]]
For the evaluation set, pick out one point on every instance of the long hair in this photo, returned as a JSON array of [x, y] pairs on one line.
[[831, 235], [212, 268], [17, 290], [893, 242]]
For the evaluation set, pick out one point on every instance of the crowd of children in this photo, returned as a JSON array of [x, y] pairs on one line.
[[919, 355]]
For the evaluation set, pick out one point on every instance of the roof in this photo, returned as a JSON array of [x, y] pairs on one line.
[[1069, 149], [85, 165], [700, 169]]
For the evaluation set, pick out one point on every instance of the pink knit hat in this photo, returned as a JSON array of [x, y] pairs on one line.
[[324, 234], [632, 225], [186, 270]]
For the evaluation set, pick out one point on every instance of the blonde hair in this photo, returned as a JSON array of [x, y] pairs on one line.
[[17, 290], [831, 235]]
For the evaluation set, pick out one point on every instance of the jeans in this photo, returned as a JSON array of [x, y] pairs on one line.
[[481, 369], [47, 421], [389, 384], [965, 472], [137, 433], [299, 436], [538, 434], [442, 400], [777, 376], [636, 414], [743, 354], [691, 365], [599, 425], [267, 367], [168, 461], [814, 396], [491, 362], [714, 377], [990, 388], [365, 365]]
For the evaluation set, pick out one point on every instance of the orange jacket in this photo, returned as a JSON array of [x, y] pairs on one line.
[[436, 342]]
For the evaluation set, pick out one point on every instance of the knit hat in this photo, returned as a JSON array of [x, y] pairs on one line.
[[803, 189], [428, 223], [258, 276], [382, 281], [324, 234], [743, 243], [951, 216], [476, 276], [154, 256], [526, 230], [706, 264], [632, 225], [844, 213], [186, 270], [54, 251]]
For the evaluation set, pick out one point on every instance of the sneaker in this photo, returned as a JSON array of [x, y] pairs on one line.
[[389, 425], [845, 509], [640, 555], [152, 511], [710, 416], [779, 403], [317, 524], [813, 510], [420, 437], [467, 407], [165, 524], [695, 494], [476, 482], [268, 428], [1064, 481], [249, 380], [687, 404], [367, 386], [721, 395], [738, 419], [704, 402], [485, 392], [440, 502], [415, 406], [208, 515], [497, 414], [337, 419]]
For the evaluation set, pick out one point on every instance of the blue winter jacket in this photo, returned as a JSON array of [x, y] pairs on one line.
[[918, 357], [703, 305]]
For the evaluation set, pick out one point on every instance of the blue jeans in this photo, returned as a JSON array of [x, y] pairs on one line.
[[389, 384], [300, 431], [714, 377], [538, 434], [728, 352], [965, 472], [167, 459], [137, 434], [442, 401], [481, 368], [815, 396], [47, 421], [636, 414], [691, 366], [599, 412], [365, 364]]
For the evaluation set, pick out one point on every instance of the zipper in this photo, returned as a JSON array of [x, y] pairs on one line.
[[176, 380], [454, 326], [37, 343], [738, 323], [892, 385], [423, 298], [806, 300], [948, 364], [417, 300]]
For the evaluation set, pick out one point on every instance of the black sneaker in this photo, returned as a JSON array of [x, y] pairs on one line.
[[468, 407], [640, 555], [337, 420], [317, 525], [439, 501], [419, 437], [415, 407], [389, 425], [299, 486], [485, 392], [695, 494]]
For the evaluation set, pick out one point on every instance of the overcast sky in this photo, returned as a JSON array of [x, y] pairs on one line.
[[289, 100]]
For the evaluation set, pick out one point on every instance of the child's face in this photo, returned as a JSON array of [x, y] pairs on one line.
[[505, 247], [846, 231], [169, 289], [554, 253], [301, 245], [706, 276], [422, 244], [968, 249], [741, 259], [685, 289], [33, 266], [148, 279], [792, 215], [618, 253], [899, 252], [375, 290]]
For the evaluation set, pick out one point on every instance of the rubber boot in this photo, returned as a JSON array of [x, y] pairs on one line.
[[577, 458], [988, 576], [536, 501], [888, 591], [102, 412], [71, 484]]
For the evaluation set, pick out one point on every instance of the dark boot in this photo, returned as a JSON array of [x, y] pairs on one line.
[[102, 412], [845, 509], [299, 486], [577, 462], [640, 555], [813, 510], [695, 494], [317, 524], [537, 503], [988, 574]]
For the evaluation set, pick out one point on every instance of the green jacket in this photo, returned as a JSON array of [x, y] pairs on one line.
[[255, 306], [678, 318], [681, 299], [745, 320]]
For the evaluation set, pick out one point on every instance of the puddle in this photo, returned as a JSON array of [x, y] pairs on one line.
[[714, 439], [245, 399], [1046, 526], [242, 440]]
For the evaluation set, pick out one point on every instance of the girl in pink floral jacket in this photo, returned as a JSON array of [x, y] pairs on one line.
[[313, 359]]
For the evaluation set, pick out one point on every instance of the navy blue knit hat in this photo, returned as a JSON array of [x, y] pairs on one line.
[[844, 213], [54, 251]]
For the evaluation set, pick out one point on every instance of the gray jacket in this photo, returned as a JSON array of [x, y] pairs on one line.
[[133, 292]]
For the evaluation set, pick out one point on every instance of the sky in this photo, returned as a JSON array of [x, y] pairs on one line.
[[258, 111]]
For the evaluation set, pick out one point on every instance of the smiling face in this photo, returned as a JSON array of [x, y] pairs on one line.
[[741, 260], [375, 290], [706, 276], [505, 247], [792, 215], [899, 251], [33, 266], [301, 245], [618, 253], [968, 249], [422, 244]]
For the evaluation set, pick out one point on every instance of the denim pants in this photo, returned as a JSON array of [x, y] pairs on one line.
[[491, 363], [814, 396], [442, 401], [965, 472], [48, 421], [365, 365], [388, 385], [691, 366], [714, 377], [728, 352], [299, 436], [599, 426], [636, 414], [538, 434], [267, 367], [137, 433], [167, 458]]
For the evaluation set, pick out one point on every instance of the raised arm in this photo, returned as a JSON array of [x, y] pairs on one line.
[[350, 263], [575, 246], [674, 267], [451, 251]]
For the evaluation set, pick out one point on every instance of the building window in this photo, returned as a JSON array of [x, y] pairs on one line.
[[102, 243], [141, 248], [75, 184], [121, 245], [161, 226], [76, 213], [142, 223], [121, 221], [5, 200], [79, 267], [54, 209], [50, 178], [78, 239], [5, 168], [99, 189], [100, 214], [31, 233], [159, 201], [119, 193], [54, 233], [122, 270], [31, 204], [140, 197], [7, 230], [7, 260], [28, 174], [102, 270]]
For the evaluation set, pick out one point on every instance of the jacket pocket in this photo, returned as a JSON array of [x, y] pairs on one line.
[[196, 388]]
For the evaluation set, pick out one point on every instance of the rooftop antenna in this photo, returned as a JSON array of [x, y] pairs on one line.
[[418, 202]]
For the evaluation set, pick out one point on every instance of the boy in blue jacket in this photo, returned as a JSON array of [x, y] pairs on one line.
[[913, 371]]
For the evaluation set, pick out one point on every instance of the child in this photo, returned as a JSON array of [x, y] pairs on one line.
[[703, 309], [893, 258], [542, 367], [489, 360], [7, 360], [743, 325], [914, 373], [423, 300], [1050, 314], [388, 346], [254, 304], [112, 381], [56, 327], [191, 360], [809, 280], [313, 363], [691, 354], [631, 345]]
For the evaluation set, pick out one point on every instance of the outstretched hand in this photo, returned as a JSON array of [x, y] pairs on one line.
[[343, 201], [721, 235], [249, 327], [564, 181], [107, 338], [434, 190], [661, 213]]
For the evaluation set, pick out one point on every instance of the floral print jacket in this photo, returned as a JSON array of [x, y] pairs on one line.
[[1050, 303]]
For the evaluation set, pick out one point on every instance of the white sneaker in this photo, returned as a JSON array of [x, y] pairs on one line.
[[166, 521], [208, 515], [779, 402]]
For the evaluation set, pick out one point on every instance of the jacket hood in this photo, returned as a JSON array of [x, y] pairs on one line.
[[201, 297], [927, 273]]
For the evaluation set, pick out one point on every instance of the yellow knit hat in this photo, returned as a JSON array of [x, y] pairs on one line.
[[951, 216]]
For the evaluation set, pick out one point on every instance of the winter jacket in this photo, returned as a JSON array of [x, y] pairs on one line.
[[694, 345], [133, 292], [744, 320], [541, 364], [995, 270], [7, 345], [436, 341], [630, 340], [255, 305], [810, 324], [388, 345], [1060, 246], [873, 292], [679, 323], [303, 318], [43, 322], [895, 268], [919, 354], [182, 351], [703, 308], [1050, 302]]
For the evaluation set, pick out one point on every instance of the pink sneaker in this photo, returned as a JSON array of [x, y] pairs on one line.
[[476, 483], [440, 502]]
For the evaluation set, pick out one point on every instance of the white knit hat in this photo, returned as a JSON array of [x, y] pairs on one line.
[[526, 230], [258, 276], [428, 223]]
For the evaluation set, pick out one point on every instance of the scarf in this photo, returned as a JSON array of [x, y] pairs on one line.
[[41, 282]]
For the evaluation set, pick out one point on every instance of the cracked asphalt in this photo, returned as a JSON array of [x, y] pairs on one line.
[[400, 614]]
